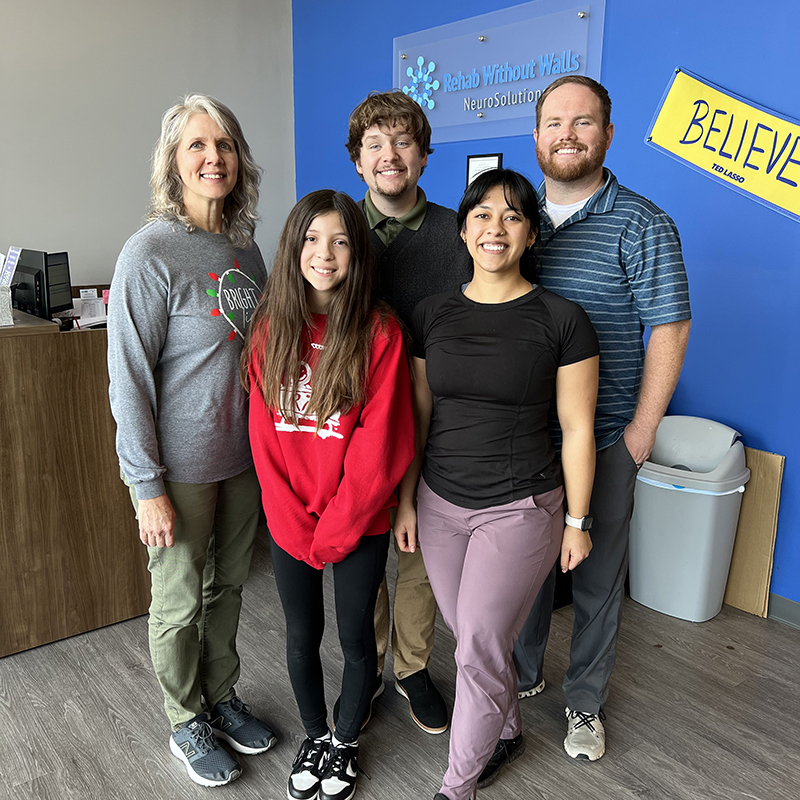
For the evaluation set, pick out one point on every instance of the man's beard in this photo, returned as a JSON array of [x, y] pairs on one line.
[[576, 170], [393, 191]]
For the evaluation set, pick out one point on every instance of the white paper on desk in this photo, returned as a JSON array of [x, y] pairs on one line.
[[92, 309], [88, 294], [93, 312]]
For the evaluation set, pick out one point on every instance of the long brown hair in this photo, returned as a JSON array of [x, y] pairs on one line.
[[275, 340]]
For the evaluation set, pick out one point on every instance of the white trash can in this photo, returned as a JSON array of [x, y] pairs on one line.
[[687, 502]]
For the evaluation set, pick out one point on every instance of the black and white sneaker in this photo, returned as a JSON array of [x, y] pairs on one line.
[[532, 692], [341, 772], [307, 769]]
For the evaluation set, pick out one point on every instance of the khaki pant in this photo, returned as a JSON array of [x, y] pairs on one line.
[[414, 617], [197, 592]]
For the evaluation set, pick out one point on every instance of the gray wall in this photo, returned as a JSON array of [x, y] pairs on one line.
[[83, 85]]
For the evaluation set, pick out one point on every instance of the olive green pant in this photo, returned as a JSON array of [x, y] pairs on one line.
[[197, 592], [414, 611]]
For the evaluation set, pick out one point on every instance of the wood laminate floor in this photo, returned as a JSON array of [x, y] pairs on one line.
[[697, 711]]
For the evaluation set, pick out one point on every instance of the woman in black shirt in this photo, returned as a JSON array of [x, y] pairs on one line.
[[489, 359]]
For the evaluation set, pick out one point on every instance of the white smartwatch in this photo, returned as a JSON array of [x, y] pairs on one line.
[[581, 523]]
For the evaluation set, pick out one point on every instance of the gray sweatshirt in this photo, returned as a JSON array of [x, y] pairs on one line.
[[177, 314]]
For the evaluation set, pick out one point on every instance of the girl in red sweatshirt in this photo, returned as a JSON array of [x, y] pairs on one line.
[[332, 433]]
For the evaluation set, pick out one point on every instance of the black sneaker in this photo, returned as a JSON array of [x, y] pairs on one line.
[[307, 768], [377, 692], [207, 762], [341, 772], [427, 706], [506, 751], [233, 722]]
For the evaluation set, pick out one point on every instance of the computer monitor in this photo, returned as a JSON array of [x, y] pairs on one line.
[[42, 283]]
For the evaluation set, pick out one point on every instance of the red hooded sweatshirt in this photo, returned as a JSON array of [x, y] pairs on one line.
[[323, 492]]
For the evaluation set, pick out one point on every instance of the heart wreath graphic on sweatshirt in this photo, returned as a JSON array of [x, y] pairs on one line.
[[237, 296]]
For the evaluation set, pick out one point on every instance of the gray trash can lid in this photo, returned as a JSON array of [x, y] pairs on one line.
[[696, 454]]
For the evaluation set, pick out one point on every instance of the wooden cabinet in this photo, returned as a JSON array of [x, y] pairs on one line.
[[70, 556]]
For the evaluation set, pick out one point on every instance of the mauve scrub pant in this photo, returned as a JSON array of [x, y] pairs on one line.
[[486, 567]]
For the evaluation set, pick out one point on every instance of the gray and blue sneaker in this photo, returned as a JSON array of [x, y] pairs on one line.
[[233, 722], [206, 761]]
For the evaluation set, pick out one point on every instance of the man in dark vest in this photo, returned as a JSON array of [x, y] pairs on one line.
[[418, 253]]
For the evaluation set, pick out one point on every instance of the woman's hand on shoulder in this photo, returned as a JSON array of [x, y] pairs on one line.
[[156, 522], [405, 528], [575, 547]]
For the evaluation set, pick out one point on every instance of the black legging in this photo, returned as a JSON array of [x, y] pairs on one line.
[[356, 580]]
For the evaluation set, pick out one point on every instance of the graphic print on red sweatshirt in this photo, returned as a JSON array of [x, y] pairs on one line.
[[331, 426]]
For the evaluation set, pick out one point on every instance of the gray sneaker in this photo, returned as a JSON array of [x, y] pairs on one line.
[[206, 761], [233, 722], [586, 736]]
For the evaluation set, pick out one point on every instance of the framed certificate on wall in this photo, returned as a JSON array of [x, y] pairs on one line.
[[482, 163]]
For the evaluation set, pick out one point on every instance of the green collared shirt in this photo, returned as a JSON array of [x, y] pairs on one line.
[[387, 228]]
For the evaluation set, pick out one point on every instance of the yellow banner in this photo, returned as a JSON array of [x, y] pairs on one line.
[[742, 145]]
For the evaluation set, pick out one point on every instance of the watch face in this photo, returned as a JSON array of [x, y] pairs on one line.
[[586, 523]]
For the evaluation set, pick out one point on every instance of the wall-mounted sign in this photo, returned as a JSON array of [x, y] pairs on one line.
[[480, 78], [743, 145]]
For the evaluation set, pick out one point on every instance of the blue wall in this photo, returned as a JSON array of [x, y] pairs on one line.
[[743, 260]]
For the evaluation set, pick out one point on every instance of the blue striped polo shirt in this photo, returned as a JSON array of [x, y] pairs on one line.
[[619, 258]]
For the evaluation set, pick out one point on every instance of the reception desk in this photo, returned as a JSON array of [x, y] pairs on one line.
[[70, 556]]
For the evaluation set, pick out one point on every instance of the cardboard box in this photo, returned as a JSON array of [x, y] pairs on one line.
[[751, 565]]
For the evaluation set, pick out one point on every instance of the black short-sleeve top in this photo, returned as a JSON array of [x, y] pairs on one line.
[[492, 373]]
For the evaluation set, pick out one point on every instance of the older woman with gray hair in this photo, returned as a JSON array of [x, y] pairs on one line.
[[184, 289]]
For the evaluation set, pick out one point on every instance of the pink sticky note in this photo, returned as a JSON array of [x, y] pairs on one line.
[[105, 296]]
